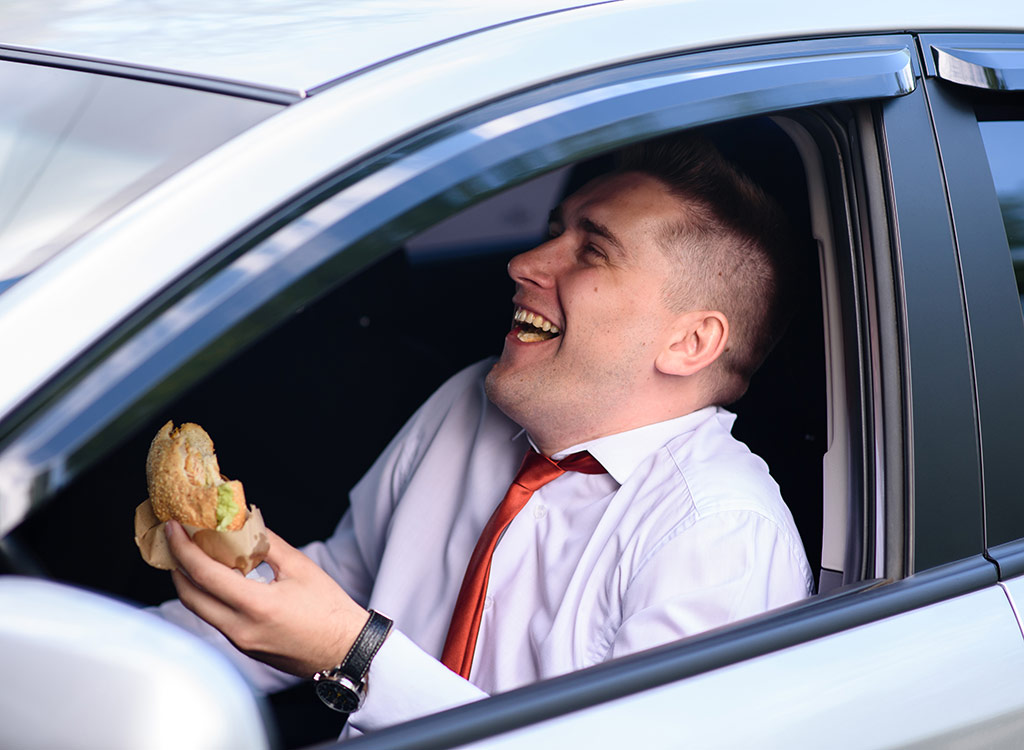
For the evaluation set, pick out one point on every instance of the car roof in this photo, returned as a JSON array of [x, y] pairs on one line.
[[297, 46], [281, 45]]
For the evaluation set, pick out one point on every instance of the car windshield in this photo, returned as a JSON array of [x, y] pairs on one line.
[[76, 147]]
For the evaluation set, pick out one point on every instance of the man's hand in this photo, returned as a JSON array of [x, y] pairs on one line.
[[300, 623]]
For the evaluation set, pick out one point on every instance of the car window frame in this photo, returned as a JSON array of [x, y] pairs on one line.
[[286, 256], [293, 256], [942, 450]]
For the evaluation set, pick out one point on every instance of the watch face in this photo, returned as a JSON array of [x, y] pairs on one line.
[[337, 696]]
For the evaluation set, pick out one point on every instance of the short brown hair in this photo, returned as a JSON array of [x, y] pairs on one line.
[[733, 247]]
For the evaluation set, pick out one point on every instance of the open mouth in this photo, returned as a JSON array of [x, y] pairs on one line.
[[531, 327]]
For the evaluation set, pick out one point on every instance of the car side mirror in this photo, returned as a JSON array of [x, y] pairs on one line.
[[84, 670]]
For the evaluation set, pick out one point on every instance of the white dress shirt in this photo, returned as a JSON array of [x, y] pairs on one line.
[[686, 532]]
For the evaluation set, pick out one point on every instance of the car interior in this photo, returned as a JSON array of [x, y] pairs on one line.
[[340, 375]]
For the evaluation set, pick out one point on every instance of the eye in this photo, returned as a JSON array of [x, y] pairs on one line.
[[593, 251], [554, 229]]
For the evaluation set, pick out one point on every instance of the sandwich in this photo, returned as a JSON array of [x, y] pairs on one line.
[[185, 484]]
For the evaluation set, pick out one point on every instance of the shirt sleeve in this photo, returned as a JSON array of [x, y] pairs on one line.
[[724, 567], [405, 683], [338, 557]]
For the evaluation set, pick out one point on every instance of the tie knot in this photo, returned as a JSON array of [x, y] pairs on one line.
[[537, 469]]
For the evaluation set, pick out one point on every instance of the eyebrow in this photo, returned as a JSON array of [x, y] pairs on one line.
[[590, 226], [593, 227]]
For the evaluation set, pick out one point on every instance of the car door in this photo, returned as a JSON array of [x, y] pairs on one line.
[[900, 533], [792, 678]]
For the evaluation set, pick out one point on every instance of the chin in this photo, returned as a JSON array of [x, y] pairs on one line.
[[495, 384], [510, 392]]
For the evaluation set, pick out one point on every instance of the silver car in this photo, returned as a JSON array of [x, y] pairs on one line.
[[295, 216]]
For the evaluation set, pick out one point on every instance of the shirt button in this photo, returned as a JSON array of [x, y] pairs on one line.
[[539, 511], [488, 602]]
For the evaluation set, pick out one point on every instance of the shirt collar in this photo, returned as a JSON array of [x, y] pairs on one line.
[[620, 454]]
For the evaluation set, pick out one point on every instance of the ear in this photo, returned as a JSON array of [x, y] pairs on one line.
[[698, 339]]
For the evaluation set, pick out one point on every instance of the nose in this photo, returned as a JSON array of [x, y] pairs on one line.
[[537, 267]]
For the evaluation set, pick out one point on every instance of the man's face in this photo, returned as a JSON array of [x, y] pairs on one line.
[[594, 292]]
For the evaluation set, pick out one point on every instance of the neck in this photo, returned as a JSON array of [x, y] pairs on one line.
[[551, 439]]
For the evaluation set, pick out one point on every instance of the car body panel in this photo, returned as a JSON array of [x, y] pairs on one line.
[[882, 671], [284, 46], [898, 674], [299, 47], [1014, 588]]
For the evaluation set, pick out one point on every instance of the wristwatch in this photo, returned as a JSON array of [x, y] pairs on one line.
[[343, 687]]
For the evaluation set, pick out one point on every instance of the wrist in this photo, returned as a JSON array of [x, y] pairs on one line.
[[343, 687], [350, 626]]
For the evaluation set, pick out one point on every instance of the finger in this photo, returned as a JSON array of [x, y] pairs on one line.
[[205, 605], [212, 577], [282, 556]]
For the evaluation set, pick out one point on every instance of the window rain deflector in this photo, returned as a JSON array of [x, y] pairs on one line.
[[994, 63]]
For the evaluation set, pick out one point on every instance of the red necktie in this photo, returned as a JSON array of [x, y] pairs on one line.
[[536, 471]]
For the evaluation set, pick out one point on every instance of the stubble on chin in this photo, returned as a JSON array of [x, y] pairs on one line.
[[505, 390], [517, 394]]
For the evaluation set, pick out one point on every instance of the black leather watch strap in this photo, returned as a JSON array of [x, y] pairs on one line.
[[343, 687], [367, 644]]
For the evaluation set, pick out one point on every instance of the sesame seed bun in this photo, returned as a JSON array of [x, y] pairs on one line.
[[183, 478]]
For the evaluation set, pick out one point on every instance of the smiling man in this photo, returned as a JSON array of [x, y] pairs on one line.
[[635, 517], [621, 343]]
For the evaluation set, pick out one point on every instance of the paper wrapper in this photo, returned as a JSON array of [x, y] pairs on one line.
[[243, 549]]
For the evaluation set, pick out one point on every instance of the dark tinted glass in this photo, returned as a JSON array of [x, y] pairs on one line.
[[76, 147], [1004, 144]]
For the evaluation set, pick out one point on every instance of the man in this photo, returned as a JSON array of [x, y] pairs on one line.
[[657, 295]]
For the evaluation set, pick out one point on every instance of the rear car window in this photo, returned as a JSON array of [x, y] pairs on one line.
[[1004, 145]]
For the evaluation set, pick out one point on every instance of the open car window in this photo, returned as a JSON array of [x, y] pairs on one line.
[[344, 370], [335, 318]]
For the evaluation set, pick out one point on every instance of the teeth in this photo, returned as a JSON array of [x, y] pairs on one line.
[[535, 320], [530, 337]]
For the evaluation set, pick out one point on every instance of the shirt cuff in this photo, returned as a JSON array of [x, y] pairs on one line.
[[405, 683]]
